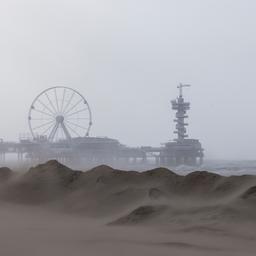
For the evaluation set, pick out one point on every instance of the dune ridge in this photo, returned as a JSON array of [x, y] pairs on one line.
[[130, 197]]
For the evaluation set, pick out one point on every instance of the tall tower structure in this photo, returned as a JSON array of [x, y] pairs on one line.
[[182, 150], [181, 108]]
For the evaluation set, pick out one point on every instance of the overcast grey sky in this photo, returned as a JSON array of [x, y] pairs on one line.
[[127, 57]]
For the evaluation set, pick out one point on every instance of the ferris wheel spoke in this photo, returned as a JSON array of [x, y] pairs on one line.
[[48, 129], [69, 101], [40, 119], [79, 118], [79, 111], [51, 103], [63, 98], [73, 130], [42, 112], [68, 111], [45, 106], [43, 125], [56, 99], [77, 125]]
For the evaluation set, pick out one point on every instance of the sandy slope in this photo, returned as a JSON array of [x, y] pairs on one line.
[[53, 210]]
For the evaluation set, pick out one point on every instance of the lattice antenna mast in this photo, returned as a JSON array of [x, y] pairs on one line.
[[181, 108]]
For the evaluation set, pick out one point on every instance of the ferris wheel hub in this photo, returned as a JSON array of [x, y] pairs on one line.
[[60, 119]]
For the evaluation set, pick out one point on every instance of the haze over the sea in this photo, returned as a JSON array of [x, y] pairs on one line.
[[127, 57]]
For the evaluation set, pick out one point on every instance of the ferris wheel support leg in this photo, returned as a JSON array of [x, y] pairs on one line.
[[65, 130], [53, 132]]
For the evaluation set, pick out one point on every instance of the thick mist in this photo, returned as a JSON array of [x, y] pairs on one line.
[[126, 58]]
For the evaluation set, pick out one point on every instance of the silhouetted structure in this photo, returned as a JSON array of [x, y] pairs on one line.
[[60, 120], [181, 150]]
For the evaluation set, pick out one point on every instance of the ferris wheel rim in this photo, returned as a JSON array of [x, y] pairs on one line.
[[60, 87]]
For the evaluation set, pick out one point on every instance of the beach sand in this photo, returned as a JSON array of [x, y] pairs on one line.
[[52, 210]]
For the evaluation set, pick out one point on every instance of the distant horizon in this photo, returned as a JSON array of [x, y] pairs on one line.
[[207, 158]]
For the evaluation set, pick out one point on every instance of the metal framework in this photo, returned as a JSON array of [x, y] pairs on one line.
[[181, 107], [59, 113], [182, 150]]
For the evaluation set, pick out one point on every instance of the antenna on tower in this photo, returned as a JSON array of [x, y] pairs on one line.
[[181, 86]]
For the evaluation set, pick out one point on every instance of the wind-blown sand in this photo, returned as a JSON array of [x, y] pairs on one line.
[[53, 210]]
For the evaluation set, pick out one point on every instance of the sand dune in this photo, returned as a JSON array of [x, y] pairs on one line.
[[160, 200], [104, 191]]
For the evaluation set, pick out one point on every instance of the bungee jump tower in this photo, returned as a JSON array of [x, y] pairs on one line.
[[182, 150]]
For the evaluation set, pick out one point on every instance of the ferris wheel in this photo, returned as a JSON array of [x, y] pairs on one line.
[[60, 113]]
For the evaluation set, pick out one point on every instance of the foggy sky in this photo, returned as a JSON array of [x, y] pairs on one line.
[[127, 57]]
